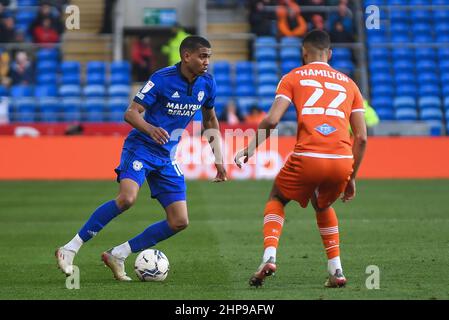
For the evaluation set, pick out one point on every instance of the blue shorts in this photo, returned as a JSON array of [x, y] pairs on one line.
[[164, 176]]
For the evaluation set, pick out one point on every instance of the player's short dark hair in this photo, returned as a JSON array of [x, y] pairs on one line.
[[193, 43], [318, 39]]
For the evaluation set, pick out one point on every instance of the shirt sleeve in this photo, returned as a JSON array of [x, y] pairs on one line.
[[357, 104], [285, 89], [150, 92], [210, 102]]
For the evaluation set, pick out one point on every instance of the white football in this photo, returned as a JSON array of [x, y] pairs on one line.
[[151, 265]]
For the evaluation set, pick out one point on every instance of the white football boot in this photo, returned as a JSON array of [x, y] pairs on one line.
[[64, 258], [116, 265], [266, 269], [336, 280]]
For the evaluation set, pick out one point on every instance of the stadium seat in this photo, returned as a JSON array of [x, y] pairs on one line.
[[424, 53], [119, 90], [18, 91], [379, 66], [443, 53], [426, 66], [445, 90], [245, 103], [47, 66], [446, 103], [290, 53], [266, 67], [399, 16], [268, 78], [120, 67], [436, 127], [444, 66], [94, 91], [47, 78], [120, 78], [402, 78], [440, 15], [265, 103], [290, 115], [446, 115], [290, 42], [428, 78], [222, 79], [4, 92], [45, 91], [418, 2], [418, 28], [429, 102], [96, 67], [381, 78], [220, 105], [287, 66], [71, 109], [400, 54], [266, 90], [404, 102], [400, 38], [69, 90], [379, 54], [421, 16], [342, 54], [95, 78], [399, 28], [221, 67], [382, 90], [265, 54], [224, 91], [25, 109], [385, 113], [381, 103], [70, 67], [94, 109], [244, 90], [244, 77], [406, 90], [116, 108], [403, 66], [429, 90], [406, 114], [71, 78], [49, 109], [244, 67], [265, 41], [344, 66], [432, 114], [47, 54]]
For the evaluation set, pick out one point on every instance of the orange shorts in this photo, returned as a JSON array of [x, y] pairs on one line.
[[301, 176]]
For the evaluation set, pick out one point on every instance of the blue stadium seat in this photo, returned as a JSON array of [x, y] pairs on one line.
[[71, 107], [404, 102], [407, 89], [244, 78], [69, 90], [442, 28], [265, 54], [400, 38], [290, 42], [374, 2], [265, 41], [344, 66], [287, 66], [47, 66], [25, 17], [268, 78], [120, 78], [94, 91], [221, 67], [220, 105], [417, 28], [379, 54], [266, 90], [406, 114], [95, 78], [245, 103], [47, 78], [224, 91], [443, 53], [418, 2], [432, 114], [421, 16], [49, 109], [71, 78], [401, 78], [47, 54], [385, 113], [445, 90], [378, 37], [399, 16], [381, 78], [446, 103], [436, 127], [223, 79], [426, 66], [17, 91], [442, 38], [27, 3], [120, 67], [290, 114], [25, 109], [433, 102], [95, 67], [440, 2], [403, 66], [399, 27], [382, 90], [440, 15], [444, 66], [397, 2], [429, 90], [342, 54], [428, 78], [94, 109], [402, 54], [446, 115], [381, 103], [4, 92], [119, 90], [290, 53], [117, 107], [266, 67], [424, 53], [265, 103], [244, 67], [379, 66], [45, 91], [70, 67], [244, 90]]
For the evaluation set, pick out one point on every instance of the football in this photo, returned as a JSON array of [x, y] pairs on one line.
[[151, 265]]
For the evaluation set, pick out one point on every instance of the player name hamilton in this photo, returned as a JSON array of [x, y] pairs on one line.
[[226, 309], [182, 109]]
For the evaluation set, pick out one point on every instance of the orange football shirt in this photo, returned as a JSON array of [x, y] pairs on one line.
[[324, 100]]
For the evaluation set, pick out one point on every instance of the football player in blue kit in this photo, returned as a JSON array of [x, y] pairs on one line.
[[169, 101]]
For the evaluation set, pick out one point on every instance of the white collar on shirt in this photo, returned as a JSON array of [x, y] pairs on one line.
[[319, 62]]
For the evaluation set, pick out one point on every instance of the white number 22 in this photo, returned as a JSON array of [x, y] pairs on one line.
[[319, 91]]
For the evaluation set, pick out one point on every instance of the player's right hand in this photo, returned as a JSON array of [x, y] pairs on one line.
[[159, 135], [349, 193], [241, 154]]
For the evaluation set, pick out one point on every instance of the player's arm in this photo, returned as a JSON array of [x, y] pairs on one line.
[[212, 133], [264, 129], [133, 116], [358, 126]]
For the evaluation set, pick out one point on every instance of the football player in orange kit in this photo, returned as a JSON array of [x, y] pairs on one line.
[[325, 161]]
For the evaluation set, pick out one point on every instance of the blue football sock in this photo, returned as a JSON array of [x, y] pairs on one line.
[[101, 217], [150, 236]]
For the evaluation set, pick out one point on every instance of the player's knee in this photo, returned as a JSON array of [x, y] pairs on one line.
[[179, 224], [126, 201]]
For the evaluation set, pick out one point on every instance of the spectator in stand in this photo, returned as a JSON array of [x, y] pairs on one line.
[[338, 33], [3, 8], [142, 58], [317, 22], [290, 21], [108, 14], [5, 80], [255, 115], [21, 71], [231, 114], [344, 15], [312, 3], [7, 30], [45, 12], [171, 49], [45, 33], [260, 18]]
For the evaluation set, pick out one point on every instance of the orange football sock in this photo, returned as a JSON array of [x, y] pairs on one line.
[[273, 221], [328, 226]]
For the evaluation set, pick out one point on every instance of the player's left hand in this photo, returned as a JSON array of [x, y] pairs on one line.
[[349, 192], [244, 153], [221, 173]]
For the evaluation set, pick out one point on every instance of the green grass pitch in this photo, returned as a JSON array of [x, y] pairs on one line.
[[401, 226]]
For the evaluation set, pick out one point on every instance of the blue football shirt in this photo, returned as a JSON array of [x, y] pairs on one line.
[[171, 102]]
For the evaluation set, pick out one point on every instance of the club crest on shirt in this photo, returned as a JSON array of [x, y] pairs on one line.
[[200, 95], [325, 129], [137, 165]]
